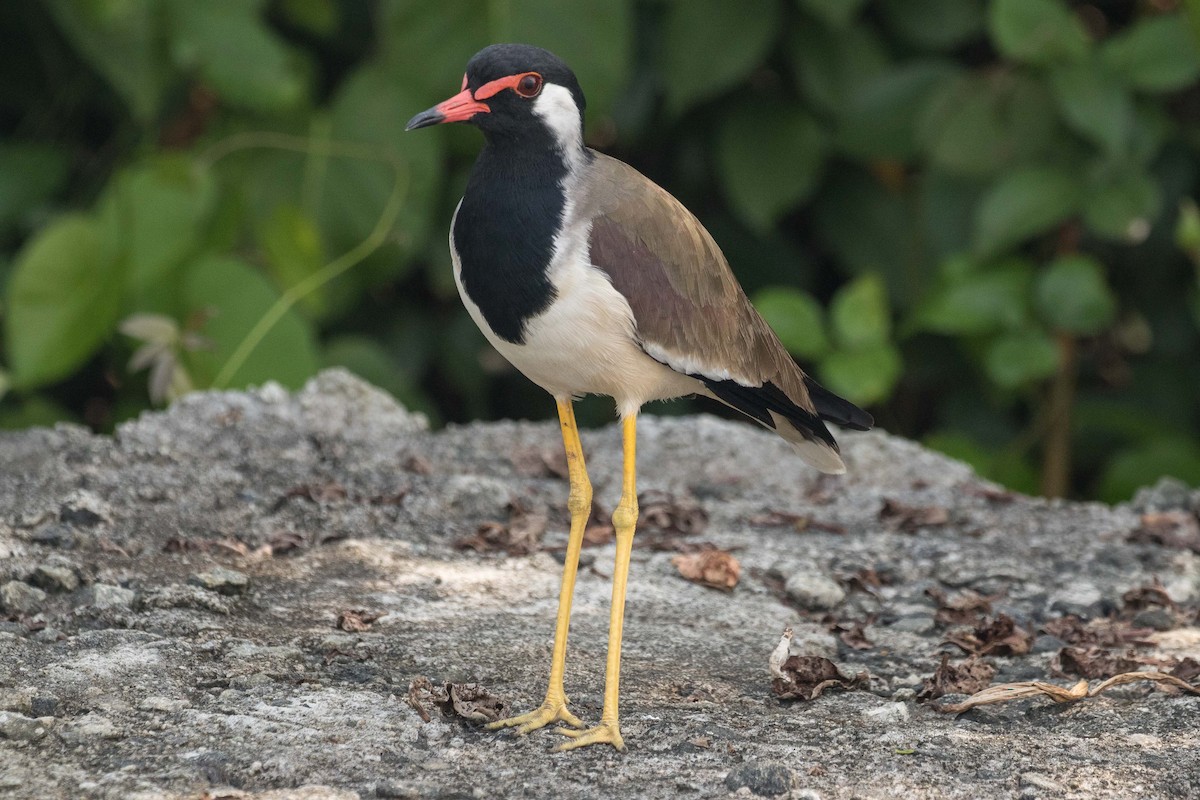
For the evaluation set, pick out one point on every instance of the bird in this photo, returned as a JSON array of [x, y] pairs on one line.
[[591, 279]]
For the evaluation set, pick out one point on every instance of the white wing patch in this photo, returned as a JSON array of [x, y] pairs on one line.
[[690, 365]]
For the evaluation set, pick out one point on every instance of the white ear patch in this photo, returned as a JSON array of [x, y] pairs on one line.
[[556, 106]]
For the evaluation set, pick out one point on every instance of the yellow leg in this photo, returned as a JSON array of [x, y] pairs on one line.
[[624, 520], [579, 502]]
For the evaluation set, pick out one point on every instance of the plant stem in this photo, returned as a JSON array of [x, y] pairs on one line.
[[1056, 457]]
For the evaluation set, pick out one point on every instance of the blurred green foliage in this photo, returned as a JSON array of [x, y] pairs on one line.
[[971, 215]]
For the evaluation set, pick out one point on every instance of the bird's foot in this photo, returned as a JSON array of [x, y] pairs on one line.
[[604, 733], [551, 710]]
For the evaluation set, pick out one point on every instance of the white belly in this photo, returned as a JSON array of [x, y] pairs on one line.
[[584, 343]]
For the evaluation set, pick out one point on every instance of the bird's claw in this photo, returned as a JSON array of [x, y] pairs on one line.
[[552, 710], [604, 733]]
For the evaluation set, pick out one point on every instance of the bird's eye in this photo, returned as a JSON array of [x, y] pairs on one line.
[[529, 85]]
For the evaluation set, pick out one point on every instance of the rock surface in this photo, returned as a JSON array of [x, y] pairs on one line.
[[342, 512]]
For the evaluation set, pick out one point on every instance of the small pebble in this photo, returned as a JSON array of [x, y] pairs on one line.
[[221, 580], [21, 597], [108, 596], [55, 578], [813, 590], [763, 779], [1160, 619]]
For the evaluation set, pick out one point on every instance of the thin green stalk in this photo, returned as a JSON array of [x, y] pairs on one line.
[[374, 240]]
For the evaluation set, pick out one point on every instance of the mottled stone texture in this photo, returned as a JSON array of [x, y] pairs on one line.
[[141, 670]]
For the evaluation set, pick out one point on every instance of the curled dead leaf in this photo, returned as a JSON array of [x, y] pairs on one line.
[[998, 635], [911, 518], [1005, 692], [356, 620], [965, 608], [714, 568], [1093, 662], [799, 522], [1177, 530], [965, 677], [471, 701], [521, 536], [807, 677]]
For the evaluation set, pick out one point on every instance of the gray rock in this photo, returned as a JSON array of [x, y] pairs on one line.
[[105, 595], [914, 623], [1047, 644], [20, 597], [19, 700], [763, 779], [221, 580], [43, 705], [1160, 619], [55, 578], [21, 728], [813, 590], [189, 690]]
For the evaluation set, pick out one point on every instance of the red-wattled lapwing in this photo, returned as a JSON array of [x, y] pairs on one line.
[[591, 279]]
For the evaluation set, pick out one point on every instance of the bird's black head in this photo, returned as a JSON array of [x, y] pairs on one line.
[[508, 89]]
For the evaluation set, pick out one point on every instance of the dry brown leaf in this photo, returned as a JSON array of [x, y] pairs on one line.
[[471, 701], [520, 537], [853, 635], [284, 541], [800, 522], [1093, 662], [1004, 692], [999, 636], [807, 677], [965, 677], [1098, 632], [1178, 530], [1148, 596], [911, 518], [664, 513], [1187, 670], [965, 608], [356, 620], [417, 465], [540, 462], [714, 568]]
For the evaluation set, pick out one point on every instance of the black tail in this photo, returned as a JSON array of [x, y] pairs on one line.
[[759, 401], [836, 409]]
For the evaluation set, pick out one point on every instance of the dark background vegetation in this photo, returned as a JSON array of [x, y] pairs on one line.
[[972, 217]]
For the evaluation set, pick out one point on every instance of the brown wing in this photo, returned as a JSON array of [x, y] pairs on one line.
[[691, 314]]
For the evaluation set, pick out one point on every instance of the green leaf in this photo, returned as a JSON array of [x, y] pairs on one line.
[[1016, 359], [879, 120], [63, 300], [594, 36], [30, 174], [1041, 32], [1094, 103], [1023, 204], [315, 16], [291, 244], [1146, 462], [769, 158], [863, 376], [835, 13], [979, 302], [796, 317], [1073, 296], [238, 296], [710, 45], [123, 42], [1122, 204], [160, 210], [235, 50], [830, 66], [34, 411], [859, 313], [934, 24], [372, 108], [982, 124], [1158, 54]]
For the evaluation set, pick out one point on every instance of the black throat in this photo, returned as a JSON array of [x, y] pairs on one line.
[[505, 228]]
